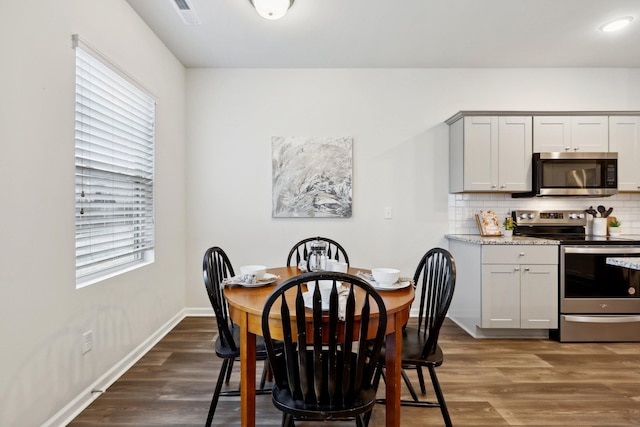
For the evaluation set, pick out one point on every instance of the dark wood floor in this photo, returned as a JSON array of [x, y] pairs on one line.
[[486, 383]]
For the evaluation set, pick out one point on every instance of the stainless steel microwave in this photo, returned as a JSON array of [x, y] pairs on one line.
[[574, 174]]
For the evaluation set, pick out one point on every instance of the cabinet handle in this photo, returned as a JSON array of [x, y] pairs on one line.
[[527, 269], [516, 269], [493, 186], [566, 148], [575, 149], [521, 253], [503, 186]]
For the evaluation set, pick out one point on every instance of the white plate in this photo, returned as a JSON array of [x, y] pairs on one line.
[[392, 287], [308, 301], [267, 279]]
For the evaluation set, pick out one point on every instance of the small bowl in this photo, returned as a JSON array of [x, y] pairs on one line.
[[257, 270], [325, 285], [385, 276]]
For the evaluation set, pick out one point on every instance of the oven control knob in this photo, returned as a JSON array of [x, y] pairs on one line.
[[531, 216], [524, 216], [581, 216], [573, 216]]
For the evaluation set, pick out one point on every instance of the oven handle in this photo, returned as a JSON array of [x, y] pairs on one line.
[[602, 319]]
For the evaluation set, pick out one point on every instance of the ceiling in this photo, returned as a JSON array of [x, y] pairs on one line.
[[399, 34]]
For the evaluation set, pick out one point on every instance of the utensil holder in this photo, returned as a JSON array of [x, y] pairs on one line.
[[599, 226]]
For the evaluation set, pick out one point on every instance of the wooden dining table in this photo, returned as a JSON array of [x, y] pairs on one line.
[[245, 308]]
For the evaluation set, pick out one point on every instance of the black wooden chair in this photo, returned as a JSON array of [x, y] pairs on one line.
[[325, 371], [216, 267], [435, 276], [301, 250]]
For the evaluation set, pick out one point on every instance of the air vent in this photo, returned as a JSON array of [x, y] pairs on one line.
[[186, 12]]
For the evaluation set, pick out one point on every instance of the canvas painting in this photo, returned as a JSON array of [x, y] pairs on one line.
[[312, 177]]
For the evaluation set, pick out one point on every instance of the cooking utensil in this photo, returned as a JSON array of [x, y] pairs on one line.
[[601, 209], [592, 211], [608, 212]]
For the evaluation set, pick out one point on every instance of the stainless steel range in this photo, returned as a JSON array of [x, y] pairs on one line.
[[597, 301]]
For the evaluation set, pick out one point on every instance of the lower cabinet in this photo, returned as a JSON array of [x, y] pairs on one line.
[[520, 296], [505, 290]]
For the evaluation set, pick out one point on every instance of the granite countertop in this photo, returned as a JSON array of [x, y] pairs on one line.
[[627, 262], [499, 240]]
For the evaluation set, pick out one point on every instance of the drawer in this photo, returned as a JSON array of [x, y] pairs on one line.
[[519, 254]]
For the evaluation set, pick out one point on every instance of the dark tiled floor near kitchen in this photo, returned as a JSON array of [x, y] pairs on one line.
[[486, 383]]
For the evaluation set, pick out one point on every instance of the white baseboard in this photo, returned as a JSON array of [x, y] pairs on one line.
[[84, 399], [198, 312]]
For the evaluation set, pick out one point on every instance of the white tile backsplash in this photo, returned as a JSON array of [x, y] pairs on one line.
[[462, 207]]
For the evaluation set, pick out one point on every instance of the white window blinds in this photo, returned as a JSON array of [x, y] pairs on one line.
[[114, 170]]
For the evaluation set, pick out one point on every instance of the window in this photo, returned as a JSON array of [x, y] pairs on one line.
[[114, 170]]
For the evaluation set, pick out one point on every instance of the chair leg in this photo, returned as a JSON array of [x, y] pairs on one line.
[[376, 377], [440, 396], [423, 388], [229, 370], [263, 378], [414, 396], [287, 420], [216, 393]]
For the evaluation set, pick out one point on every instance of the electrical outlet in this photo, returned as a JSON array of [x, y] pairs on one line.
[[87, 342], [388, 213]]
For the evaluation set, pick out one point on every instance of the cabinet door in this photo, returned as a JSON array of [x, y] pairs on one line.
[[500, 296], [551, 134], [624, 138], [514, 151], [539, 297], [480, 153], [590, 133]]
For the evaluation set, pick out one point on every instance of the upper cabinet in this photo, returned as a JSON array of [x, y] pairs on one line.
[[624, 138], [490, 153], [570, 133]]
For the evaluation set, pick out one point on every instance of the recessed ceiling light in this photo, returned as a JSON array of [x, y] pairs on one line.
[[616, 24]]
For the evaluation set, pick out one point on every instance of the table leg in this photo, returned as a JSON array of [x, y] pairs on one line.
[[247, 374], [393, 365]]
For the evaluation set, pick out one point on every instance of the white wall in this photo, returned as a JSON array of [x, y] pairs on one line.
[[396, 118], [42, 315]]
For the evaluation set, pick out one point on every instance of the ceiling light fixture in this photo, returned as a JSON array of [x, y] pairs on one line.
[[272, 9], [616, 24]]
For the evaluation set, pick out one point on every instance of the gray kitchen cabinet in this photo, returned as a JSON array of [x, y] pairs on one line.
[[519, 287], [519, 296], [570, 133], [490, 154], [505, 290], [624, 138]]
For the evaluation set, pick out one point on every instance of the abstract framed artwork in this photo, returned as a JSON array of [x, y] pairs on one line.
[[312, 177]]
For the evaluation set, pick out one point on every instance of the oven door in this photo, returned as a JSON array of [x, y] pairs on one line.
[[588, 285], [599, 302]]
